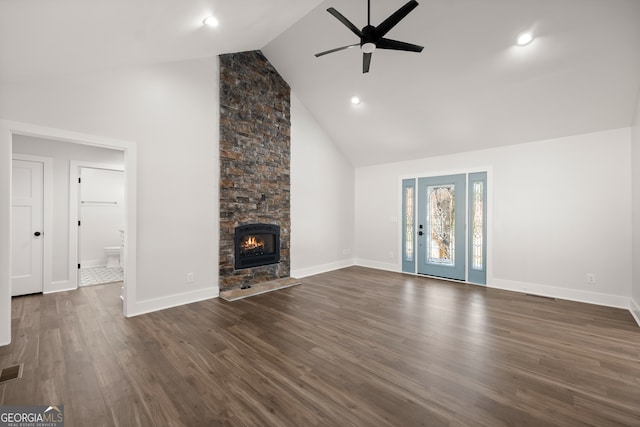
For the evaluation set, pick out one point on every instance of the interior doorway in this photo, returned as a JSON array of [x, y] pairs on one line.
[[100, 221], [10, 130]]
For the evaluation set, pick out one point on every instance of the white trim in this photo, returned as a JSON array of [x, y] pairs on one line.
[[47, 215], [7, 130], [170, 301], [634, 308], [88, 263], [74, 174], [324, 268], [385, 266], [607, 300], [5, 232]]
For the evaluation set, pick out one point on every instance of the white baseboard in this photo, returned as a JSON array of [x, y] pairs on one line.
[[577, 295], [93, 263], [61, 286], [634, 308], [162, 303], [299, 273], [395, 268]]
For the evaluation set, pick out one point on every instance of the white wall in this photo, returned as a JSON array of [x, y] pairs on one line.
[[62, 153], [635, 167], [561, 209], [171, 112], [322, 195]]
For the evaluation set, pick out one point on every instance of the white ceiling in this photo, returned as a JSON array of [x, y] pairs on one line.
[[49, 37], [469, 89]]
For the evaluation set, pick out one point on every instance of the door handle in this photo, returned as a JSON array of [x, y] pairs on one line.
[[37, 234]]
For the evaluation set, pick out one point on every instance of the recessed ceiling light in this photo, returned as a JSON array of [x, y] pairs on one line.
[[524, 39], [355, 100], [211, 21]]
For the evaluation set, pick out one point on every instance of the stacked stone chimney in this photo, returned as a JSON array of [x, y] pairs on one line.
[[255, 125]]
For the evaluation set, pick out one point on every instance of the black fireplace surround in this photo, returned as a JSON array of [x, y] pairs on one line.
[[256, 244]]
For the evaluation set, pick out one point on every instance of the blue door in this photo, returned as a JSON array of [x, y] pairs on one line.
[[441, 226]]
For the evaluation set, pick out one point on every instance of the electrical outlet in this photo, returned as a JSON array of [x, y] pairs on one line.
[[591, 278], [190, 278]]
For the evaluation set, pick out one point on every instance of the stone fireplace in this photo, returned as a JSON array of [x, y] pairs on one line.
[[255, 193]]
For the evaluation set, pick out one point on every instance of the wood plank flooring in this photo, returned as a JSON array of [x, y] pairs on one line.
[[354, 347]]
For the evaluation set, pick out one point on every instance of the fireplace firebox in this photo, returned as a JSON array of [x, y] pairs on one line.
[[256, 244]]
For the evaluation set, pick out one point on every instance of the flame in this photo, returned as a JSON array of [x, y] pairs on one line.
[[252, 243]]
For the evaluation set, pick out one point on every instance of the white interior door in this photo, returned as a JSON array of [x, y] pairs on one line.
[[27, 227]]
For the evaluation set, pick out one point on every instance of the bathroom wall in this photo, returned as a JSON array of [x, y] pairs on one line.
[[62, 154], [101, 213]]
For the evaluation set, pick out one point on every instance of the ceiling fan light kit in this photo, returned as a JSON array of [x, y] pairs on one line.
[[372, 38], [368, 47]]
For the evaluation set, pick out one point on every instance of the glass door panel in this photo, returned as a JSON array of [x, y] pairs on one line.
[[478, 227], [441, 226], [408, 224]]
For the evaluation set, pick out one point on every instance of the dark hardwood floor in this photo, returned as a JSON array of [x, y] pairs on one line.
[[354, 347]]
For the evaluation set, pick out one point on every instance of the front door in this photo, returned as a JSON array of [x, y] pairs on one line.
[[26, 227], [441, 226]]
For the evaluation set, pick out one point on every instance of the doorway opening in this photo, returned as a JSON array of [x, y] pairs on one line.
[[98, 190], [10, 131]]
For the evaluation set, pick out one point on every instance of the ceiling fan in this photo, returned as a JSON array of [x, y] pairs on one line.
[[372, 38]]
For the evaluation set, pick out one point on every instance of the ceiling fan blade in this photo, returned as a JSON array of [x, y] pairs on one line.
[[337, 49], [396, 45], [346, 22], [398, 15], [366, 62]]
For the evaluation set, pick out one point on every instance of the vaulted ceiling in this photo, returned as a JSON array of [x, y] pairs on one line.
[[469, 89]]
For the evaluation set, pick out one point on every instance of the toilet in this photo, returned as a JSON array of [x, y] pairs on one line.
[[113, 256]]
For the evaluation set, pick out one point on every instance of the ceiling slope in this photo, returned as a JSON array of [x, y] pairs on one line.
[[41, 38], [470, 88]]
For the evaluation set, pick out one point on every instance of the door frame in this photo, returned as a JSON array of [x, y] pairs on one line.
[[490, 218], [47, 215], [74, 209], [9, 128]]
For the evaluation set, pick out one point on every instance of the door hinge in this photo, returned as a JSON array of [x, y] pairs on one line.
[[79, 180], [78, 223], [78, 266]]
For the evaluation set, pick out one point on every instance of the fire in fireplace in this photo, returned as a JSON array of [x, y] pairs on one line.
[[256, 244]]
